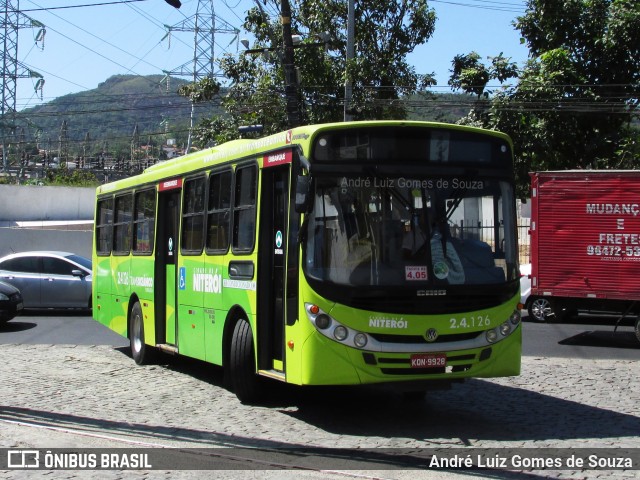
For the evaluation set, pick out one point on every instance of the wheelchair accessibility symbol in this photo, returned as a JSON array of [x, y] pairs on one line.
[[182, 279]]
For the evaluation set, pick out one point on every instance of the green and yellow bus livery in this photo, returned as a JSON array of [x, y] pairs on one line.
[[337, 254]]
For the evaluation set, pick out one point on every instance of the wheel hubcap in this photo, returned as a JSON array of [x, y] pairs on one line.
[[137, 328], [541, 309]]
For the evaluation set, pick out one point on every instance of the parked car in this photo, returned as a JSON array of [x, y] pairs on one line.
[[525, 283], [10, 302], [48, 279]]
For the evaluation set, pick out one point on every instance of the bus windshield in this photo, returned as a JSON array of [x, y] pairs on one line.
[[420, 231]]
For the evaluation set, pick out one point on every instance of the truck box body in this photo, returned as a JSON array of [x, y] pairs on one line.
[[585, 238]]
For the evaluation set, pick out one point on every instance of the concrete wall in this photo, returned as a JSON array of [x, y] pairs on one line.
[[46, 203], [22, 239], [56, 210]]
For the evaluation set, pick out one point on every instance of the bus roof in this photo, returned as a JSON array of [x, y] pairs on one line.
[[242, 148]]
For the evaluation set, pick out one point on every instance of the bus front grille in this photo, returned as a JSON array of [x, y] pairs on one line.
[[416, 339]]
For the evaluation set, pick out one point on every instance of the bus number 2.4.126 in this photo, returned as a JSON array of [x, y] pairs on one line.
[[470, 322]]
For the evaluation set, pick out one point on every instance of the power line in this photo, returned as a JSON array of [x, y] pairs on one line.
[[102, 40], [47, 9], [496, 6]]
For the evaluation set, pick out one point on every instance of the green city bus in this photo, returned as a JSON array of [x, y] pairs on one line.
[[336, 254]]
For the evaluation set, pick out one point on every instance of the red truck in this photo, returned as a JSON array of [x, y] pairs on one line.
[[585, 243]]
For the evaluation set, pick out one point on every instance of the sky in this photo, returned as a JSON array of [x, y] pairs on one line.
[[87, 41]]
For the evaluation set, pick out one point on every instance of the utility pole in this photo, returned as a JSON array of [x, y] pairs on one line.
[[348, 83], [290, 76], [135, 147], [86, 150], [63, 145]]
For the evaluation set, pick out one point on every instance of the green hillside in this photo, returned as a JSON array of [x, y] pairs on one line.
[[110, 112]]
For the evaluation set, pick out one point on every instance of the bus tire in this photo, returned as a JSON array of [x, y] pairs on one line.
[[141, 352], [637, 329], [244, 378]]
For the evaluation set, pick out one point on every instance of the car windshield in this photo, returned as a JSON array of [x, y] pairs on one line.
[[85, 262], [371, 231]]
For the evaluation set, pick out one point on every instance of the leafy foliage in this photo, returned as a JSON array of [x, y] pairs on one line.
[[71, 178], [386, 31], [577, 97]]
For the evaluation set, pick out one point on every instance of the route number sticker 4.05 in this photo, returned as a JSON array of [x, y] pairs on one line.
[[413, 273]]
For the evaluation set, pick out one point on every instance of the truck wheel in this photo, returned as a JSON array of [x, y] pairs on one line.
[[638, 328], [541, 310], [141, 352], [244, 378]]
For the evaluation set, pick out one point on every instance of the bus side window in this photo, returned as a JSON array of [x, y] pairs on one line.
[[104, 227], [193, 216], [244, 212], [144, 221], [122, 224], [218, 212]]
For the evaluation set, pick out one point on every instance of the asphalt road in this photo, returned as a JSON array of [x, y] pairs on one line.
[[61, 328], [583, 337]]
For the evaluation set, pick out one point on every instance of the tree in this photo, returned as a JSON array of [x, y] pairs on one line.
[[577, 96], [472, 76], [386, 31]]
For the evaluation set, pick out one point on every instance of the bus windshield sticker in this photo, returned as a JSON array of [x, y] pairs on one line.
[[415, 273]]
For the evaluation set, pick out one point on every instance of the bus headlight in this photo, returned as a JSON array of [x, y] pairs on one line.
[[331, 328], [491, 336], [340, 333], [516, 316], [505, 328], [360, 340], [323, 321]]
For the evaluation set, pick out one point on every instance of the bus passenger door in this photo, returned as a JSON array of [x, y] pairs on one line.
[[165, 264], [272, 267]]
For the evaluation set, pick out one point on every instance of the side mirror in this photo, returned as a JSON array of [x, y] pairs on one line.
[[304, 194]]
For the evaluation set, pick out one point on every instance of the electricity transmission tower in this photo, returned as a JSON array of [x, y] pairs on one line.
[[205, 25], [11, 20]]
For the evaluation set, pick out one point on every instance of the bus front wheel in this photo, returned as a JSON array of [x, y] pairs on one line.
[[141, 352], [244, 378]]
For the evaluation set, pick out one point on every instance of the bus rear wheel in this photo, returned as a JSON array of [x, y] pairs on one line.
[[141, 352], [638, 328], [244, 379]]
